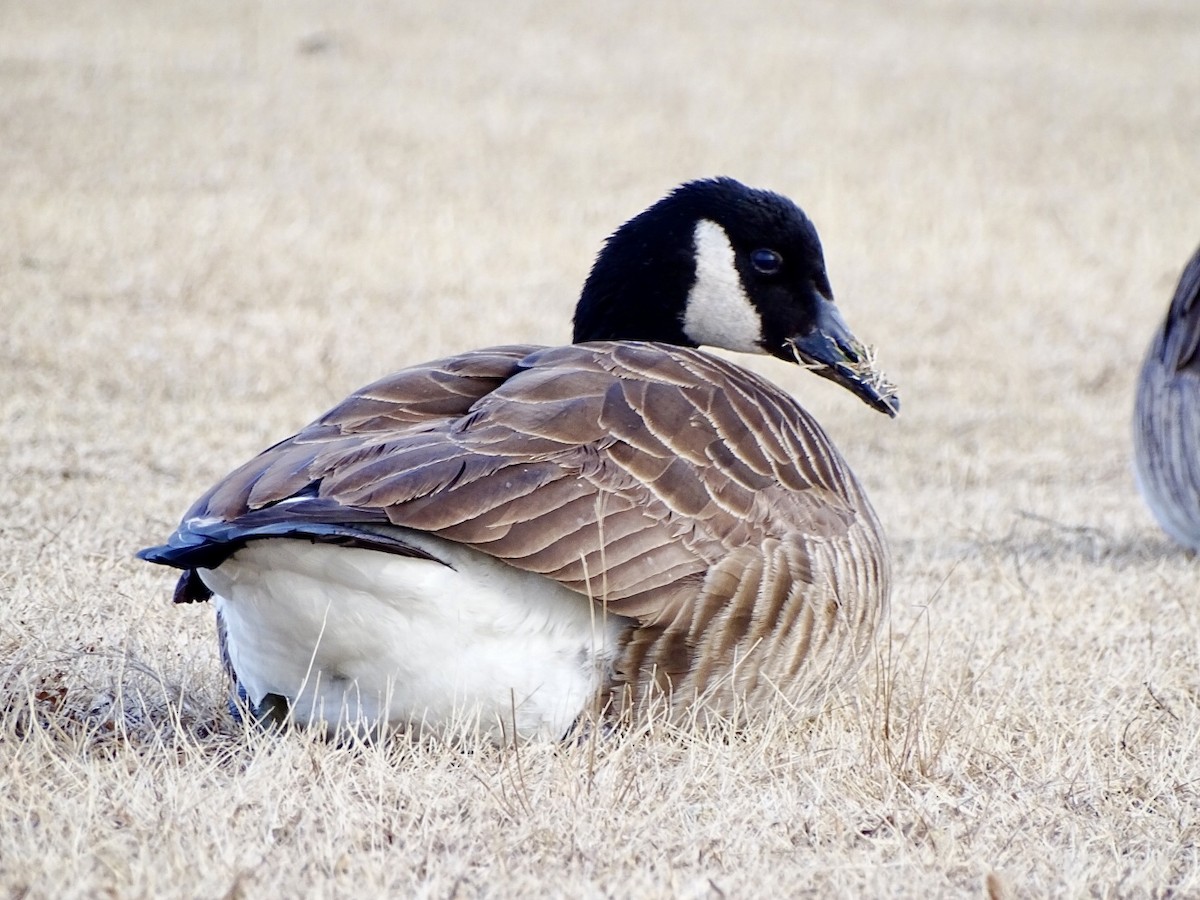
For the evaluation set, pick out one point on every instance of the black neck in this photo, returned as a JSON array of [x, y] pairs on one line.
[[638, 287]]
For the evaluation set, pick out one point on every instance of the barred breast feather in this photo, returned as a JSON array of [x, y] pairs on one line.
[[1166, 426]]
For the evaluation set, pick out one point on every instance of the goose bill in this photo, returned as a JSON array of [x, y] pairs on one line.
[[833, 352]]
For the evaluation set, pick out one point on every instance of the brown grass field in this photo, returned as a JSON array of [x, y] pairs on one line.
[[216, 219]]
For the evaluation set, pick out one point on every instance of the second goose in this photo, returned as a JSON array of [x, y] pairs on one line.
[[524, 538], [1166, 420]]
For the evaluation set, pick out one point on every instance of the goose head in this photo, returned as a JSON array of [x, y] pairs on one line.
[[716, 263]]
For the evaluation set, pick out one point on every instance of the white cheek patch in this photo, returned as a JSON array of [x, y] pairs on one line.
[[719, 314]]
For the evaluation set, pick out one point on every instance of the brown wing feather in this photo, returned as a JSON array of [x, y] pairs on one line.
[[640, 474]]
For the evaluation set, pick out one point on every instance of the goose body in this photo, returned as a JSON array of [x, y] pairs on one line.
[[1166, 422], [519, 537]]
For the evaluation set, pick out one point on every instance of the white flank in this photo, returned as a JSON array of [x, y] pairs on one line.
[[719, 314], [362, 638]]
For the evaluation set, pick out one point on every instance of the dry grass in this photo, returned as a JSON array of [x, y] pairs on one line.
[[217, 219]]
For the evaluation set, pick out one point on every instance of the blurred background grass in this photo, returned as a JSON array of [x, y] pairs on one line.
[[217, 219]]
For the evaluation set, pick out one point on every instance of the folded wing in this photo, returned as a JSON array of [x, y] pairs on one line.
[[625, 471]]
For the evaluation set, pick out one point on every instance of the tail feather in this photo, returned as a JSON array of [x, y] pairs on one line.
[[205, 543]]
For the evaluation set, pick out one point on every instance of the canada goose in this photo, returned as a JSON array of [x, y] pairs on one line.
[[1166, 418], [523, 537]]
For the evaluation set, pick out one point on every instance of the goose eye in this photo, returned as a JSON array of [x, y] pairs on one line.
[[768, 262]]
